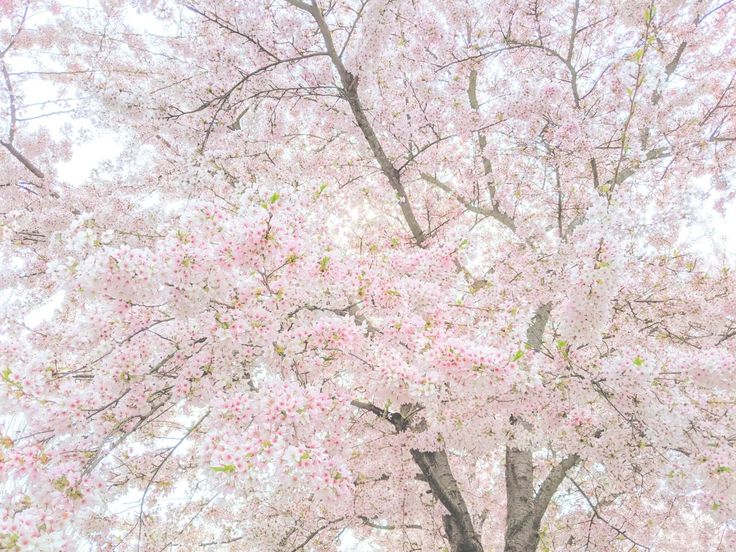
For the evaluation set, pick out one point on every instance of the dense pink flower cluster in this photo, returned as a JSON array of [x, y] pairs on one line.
[[341, 239]]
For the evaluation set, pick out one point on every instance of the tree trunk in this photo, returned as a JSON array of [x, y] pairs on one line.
[[522, 534], [525, 508], [458, 525]]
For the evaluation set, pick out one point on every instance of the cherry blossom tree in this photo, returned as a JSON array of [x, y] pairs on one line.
[[423, 273]]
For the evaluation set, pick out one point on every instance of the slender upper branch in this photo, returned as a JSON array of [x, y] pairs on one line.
[[597, 515], [349, 84], [8, 144]]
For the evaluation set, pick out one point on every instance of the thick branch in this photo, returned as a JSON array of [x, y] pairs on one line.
[[524, 508], [27, 163], [386, 527], [535, 331], [495, 212], [350, 93], [627, 172], [550, 485], [519, 499]]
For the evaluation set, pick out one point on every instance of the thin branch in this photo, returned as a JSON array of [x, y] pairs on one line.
[[158, 468], [495, 212], [315, 533], [596, 514]]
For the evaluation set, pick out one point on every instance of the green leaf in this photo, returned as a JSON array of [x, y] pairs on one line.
[[9, 541], [638, 361], [386, 407], [649, 14], [639, 54], [274, 198], [61, 483], [227, 468], [723, 469], [74, 493], [324, 261], [517, 355], [220, 322]]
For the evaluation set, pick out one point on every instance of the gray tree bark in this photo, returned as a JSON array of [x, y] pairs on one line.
[[458, 524], [525, 508]]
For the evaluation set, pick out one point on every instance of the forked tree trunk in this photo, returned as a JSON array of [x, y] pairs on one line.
[[525, 508]]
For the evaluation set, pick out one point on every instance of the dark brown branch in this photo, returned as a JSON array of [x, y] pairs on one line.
[[597, 515], [672, 65], [27, 163], [519, 470], [349, 84], [594, 168], [525, 509], [461, 534]]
